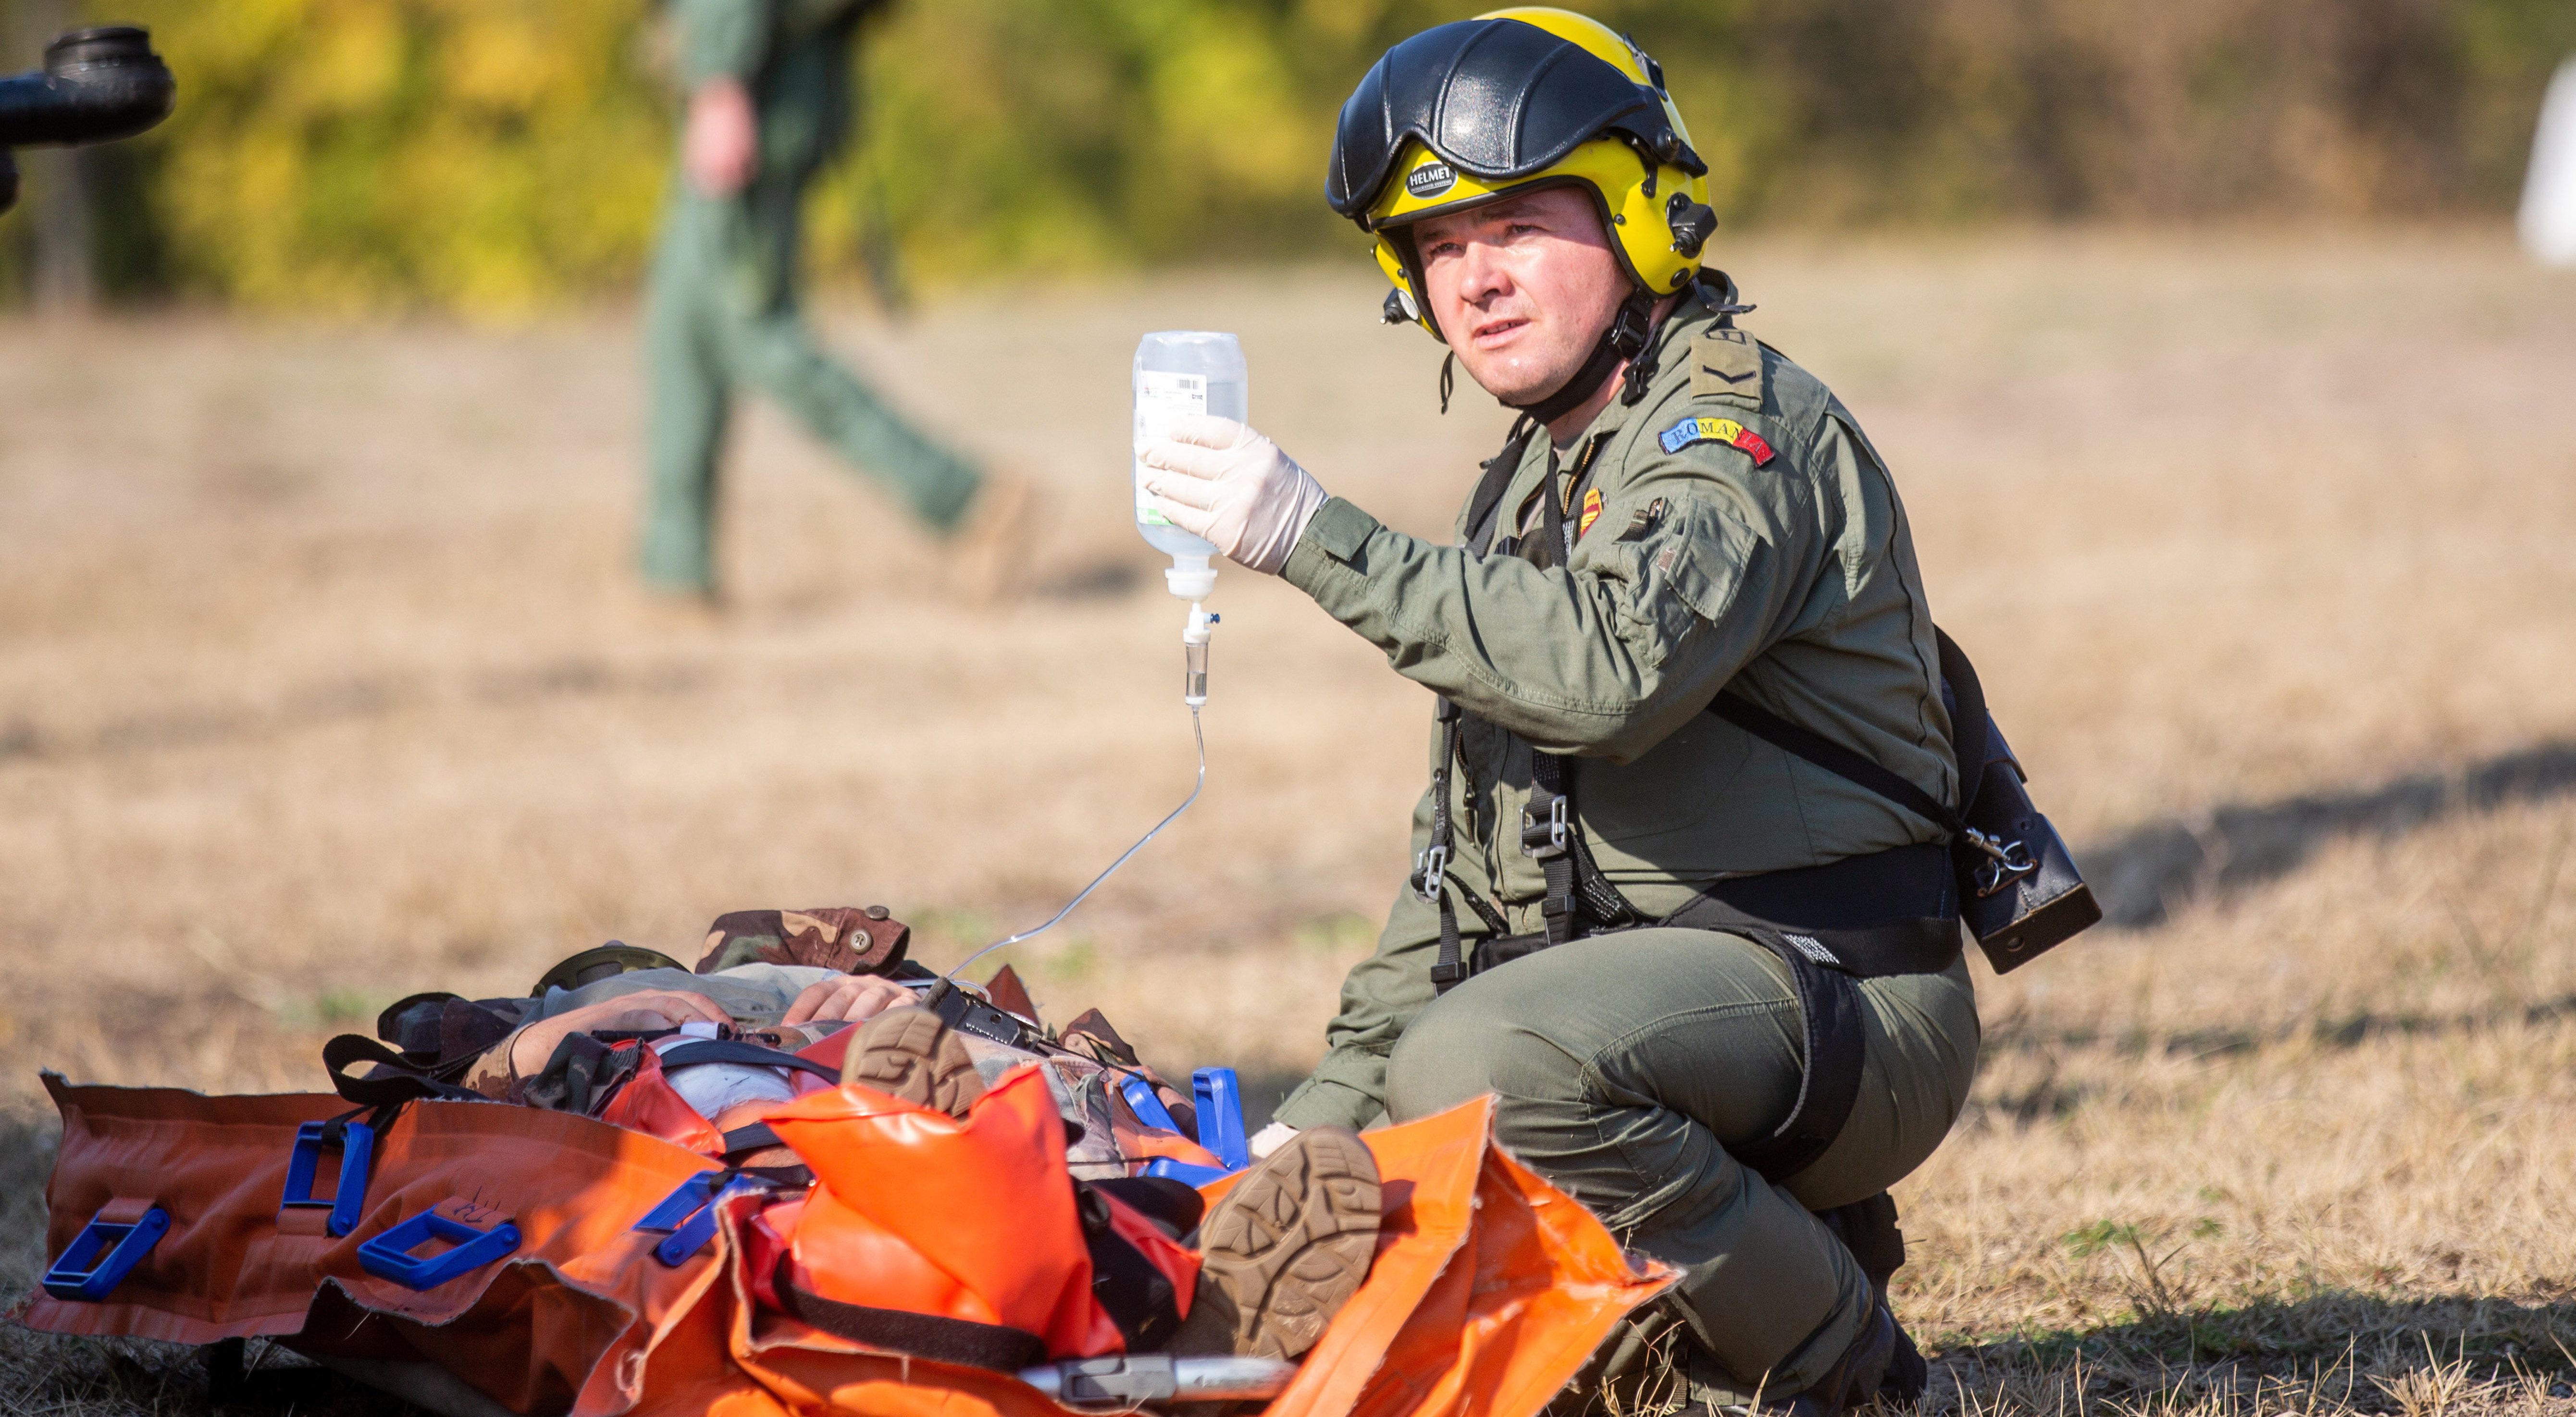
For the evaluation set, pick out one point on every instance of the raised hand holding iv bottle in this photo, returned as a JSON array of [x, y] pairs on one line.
[[1179, 373]]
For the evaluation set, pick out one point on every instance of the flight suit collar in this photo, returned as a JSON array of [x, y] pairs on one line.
[[1671, 340], [1673, 335]]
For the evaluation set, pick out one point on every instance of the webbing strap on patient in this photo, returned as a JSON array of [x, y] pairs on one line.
[[995, 1346], [391, 1083]]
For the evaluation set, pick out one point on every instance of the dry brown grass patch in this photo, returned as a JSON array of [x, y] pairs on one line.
[[325, 684]]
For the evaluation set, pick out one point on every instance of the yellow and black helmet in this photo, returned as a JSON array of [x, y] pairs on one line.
[[1468, 113]]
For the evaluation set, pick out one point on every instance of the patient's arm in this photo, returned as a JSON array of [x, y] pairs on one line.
[[523, 1053], [848, 998]]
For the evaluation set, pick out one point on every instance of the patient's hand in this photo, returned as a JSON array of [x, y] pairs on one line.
[[642, 1011], [851, 998]]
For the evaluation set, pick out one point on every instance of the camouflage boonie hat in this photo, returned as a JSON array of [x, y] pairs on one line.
[[843, 938]]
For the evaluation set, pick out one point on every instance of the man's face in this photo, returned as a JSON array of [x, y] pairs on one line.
[[1522, 288]]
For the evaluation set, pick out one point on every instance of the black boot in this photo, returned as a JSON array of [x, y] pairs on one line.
[[1856, 1379], [1907, 1374]]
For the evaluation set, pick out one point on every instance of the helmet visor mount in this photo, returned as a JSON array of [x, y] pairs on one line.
[[1495, 99]]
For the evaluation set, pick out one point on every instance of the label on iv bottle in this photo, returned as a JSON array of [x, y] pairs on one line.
[[1162, 399]]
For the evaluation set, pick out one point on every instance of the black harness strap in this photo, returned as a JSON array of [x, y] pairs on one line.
[[1828, 1069], [1431, 879], [1497, 480], [1431, 873], [1971, 729], [1578, 895], [1834, 758], [1971, 735], [994, 1346]]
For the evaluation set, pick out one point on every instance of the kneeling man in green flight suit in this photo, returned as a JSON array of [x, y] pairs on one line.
[[1619, 889]]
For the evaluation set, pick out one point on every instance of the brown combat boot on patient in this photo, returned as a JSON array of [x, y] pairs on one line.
[[912, 1054], [1285, 1249]]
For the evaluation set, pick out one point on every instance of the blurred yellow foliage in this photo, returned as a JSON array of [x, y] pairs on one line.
[[493, 156], [483, 155]]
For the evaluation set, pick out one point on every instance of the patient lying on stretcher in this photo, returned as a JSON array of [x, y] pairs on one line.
[[1261, 1272], [802, 1004]]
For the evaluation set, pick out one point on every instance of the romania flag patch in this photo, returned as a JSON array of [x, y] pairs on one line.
[[1717, 430]]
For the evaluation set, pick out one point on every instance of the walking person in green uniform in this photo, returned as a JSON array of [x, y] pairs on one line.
[[767, 86], [1715, 988]]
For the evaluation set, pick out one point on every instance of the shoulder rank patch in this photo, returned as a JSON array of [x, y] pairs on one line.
[[1717, 430], [1727, 364], [1591, 510]]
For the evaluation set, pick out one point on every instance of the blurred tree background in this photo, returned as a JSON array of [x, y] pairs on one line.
[[497, 156]]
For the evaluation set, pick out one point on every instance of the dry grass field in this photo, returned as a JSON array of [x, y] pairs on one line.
[[322, 681]]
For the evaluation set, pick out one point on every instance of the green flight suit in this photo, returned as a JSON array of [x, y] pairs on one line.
[[721, 303], [1760, 547]]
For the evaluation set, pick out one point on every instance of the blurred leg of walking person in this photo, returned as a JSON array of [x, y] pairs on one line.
[[768, 106]]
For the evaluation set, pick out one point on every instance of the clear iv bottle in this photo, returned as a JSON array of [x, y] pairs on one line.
[[1180, 372]]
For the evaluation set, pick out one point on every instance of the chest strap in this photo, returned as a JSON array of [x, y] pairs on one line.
[[1431, 880]]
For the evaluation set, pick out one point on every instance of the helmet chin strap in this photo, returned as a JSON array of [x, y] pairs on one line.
[[1626, 338]]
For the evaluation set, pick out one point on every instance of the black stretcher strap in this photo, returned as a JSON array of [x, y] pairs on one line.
[[393, 1082], [1138, 1297], [743, 1141], [717, 1050], [995, 1346]]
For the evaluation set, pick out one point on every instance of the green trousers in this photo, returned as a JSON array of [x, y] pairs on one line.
[[1623, 1066], [721, 315]]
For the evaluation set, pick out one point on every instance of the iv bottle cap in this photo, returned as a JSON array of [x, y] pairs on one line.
[[1190, 577]]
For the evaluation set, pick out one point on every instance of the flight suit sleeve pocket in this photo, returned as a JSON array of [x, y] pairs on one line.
[[1681, 573]]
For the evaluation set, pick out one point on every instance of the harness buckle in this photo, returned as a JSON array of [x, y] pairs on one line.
[[2008, 861], [1544, 840], [1430, 873]]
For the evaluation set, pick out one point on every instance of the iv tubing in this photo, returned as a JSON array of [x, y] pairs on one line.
[[1198, 734]]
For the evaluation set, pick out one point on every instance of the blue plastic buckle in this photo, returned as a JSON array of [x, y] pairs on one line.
[[102, 1254], [1220, 1105], [357, 1158], [689, 1214], [1220, 1099], [389, 1255], [1184, 1172], [1148, 1107]]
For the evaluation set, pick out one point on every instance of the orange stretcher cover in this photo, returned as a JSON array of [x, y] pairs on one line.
[[1488, 1291]]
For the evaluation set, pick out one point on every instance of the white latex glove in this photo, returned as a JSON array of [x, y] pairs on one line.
[[1222, 481], [1270, 1139]]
